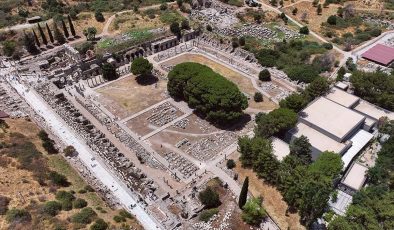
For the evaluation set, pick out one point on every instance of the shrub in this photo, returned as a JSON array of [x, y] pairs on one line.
[[9, 48], [332, 20], [4, 201], [328, 46], [163, 6], [18, 215], [89, 188], [258, 97], [85, 216], [253, 213], [66, 199], [125, 214], [206, 215], [52, 208], [304, 30], [230, 164], [119, 219], [58, 179], [79, 203], [99, 224]]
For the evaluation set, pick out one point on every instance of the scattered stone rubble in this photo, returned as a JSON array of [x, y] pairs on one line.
[[181, 164], [163, 114], [134, 178]]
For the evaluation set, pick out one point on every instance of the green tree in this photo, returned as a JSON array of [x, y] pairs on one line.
[[301, 148], [294, 11], [163, 6], [185, 24], [36, 39], [294, 101], [50, 33], [243, 196], [109, 72], [209, 28], [209, 198], [59, 37], [42, 34], [332, 20], [304, 30], [253, 213], [71, 25], [175, 29], [258, 97], [318, 87], [90, 33], [210, 94], [276, 122], [141, 67], [99, 16], [29, 43], [230, 164], [265, 75], [65, 30]]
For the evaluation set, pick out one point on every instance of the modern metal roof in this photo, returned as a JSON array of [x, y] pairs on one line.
[[380, 53]]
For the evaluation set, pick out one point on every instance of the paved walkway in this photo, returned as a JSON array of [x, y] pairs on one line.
[[60, 129]]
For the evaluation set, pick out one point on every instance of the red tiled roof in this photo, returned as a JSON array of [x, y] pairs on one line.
[[380, 53]]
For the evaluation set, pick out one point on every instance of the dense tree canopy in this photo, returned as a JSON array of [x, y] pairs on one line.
[[209, 198], [210, 94], [276, 122], [301, 148], [141, 66], [373, 207], [377, 88], [257, 153], [294, 58]]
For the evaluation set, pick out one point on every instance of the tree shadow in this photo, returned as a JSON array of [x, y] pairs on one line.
[[145, 80], [233, 126]]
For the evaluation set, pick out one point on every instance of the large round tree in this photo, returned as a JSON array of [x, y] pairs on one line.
[[209, 93], [141, 67]]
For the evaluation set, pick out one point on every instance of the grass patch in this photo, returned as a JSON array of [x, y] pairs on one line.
[[206, 215], [170, 16]]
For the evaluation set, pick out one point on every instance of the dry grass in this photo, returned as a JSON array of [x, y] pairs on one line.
[[272, 198], [126, 96], [129, 21], [23, 189], [241, 81], [313, 20], [86, 19]]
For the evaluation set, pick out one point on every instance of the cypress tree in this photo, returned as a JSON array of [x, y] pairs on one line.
[[43, 37], [65, 29], [70, 23], [29, 43], [58, 35], [244, 193], [50, 33], [36, 39]]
